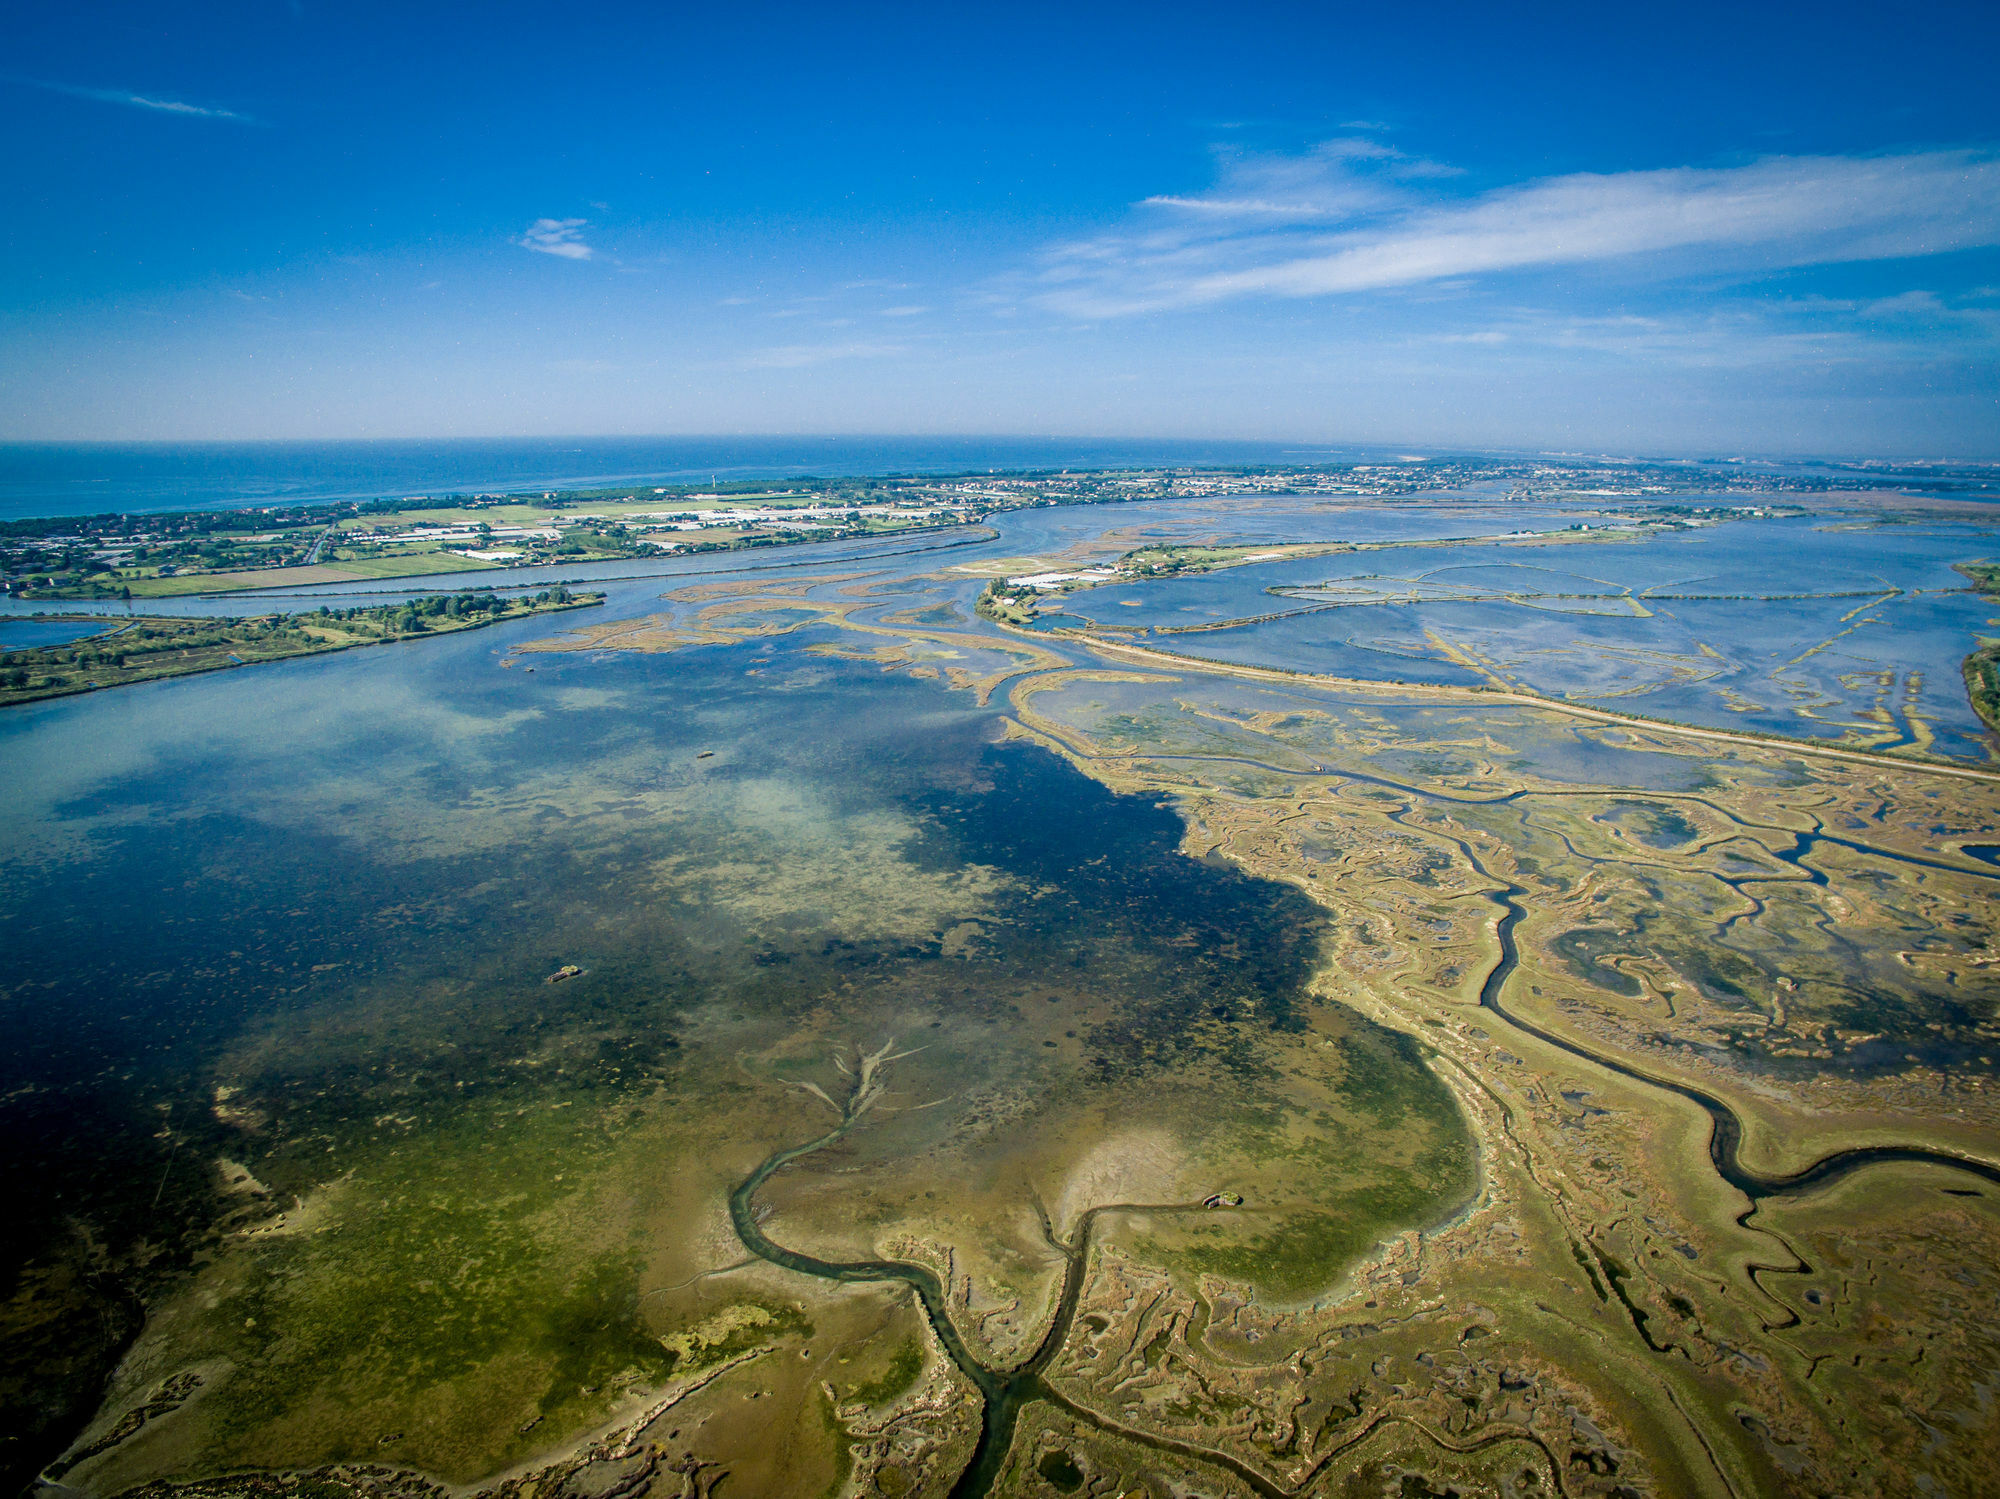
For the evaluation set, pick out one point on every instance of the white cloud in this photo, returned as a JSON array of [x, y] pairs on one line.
[[562, 237], [1778, 336], [1348, 218], [144, 101], [1337, 179]]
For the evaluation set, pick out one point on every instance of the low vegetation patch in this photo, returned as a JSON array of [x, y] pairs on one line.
[[154, 646]]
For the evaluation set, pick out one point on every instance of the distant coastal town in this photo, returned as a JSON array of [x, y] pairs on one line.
[[139, 556]]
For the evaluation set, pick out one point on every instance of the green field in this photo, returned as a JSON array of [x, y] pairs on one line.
[[405, 565], [182, 584], [410, 564]]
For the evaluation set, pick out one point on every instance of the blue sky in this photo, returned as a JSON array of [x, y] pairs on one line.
[[1761, 229]]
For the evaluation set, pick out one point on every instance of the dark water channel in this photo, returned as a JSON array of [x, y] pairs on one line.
[[1003, 1393], [1726, 1131]]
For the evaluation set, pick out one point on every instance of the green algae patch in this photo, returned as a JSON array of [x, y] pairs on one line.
[[1321, 1189], [455, 1303], [1060, 1469], [1585, 949], [905, 1366], [736, 1328], [1300, 1254], [838, 1440], [1383, 1075]]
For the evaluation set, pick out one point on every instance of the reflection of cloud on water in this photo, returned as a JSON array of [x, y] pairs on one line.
[[374, 750], [1784, 665], [308, 743], [780, 858]]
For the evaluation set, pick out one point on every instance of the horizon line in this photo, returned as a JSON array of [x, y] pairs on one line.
[[1301, 445]]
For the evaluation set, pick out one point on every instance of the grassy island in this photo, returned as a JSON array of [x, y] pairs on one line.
[[149, 647], [1007, 603], [1982, 667]]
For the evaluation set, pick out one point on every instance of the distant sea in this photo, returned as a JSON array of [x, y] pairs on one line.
[[52, 479], [49, 479]]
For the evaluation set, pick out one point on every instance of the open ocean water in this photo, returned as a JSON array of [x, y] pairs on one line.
[[47, 479], [50, 479]]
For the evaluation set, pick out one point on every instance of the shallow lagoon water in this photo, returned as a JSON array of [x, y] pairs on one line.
[[1037, 531], [25, 634], [1697, 626], [303, 917]]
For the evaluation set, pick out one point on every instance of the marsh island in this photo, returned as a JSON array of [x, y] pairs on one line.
[[148, 648]]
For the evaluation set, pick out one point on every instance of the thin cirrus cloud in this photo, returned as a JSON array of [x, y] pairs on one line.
[[142, 101], [1336, 179], [802, 356], [563, 237], [1350, 219]]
